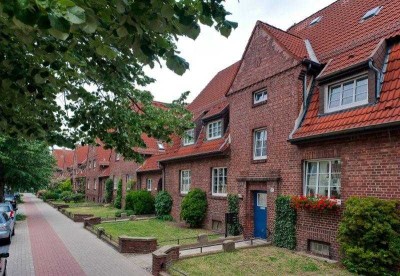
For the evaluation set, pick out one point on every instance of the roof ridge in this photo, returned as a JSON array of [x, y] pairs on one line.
[[298, 23], [278, 29]]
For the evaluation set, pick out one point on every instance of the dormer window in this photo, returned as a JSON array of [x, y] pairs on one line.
[[160, 146], [117, 157], [260, 96], [315, 20], [189, 137], [347, 94], [214, 130]]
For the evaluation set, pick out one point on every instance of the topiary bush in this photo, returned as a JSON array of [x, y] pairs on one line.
[[163, 205], [109, 190], [141, 202], [118, 197], [235, 228], [285, 223], [369, 236], [194, 207]]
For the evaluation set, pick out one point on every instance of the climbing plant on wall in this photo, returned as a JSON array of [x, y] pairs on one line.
[[285, 223], [234, 229]]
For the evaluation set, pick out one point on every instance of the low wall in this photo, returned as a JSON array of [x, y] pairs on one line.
[[137, 244], [91, 221], [163, 257], [81, 217]]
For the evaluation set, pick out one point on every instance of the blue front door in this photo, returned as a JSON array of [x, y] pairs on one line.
[[260, 215]]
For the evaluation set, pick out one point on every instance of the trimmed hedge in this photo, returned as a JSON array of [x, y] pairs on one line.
[[118, 198], [285, 223], [109, 190], [163, 205], [194, 207], [141, 202], [369, 236]]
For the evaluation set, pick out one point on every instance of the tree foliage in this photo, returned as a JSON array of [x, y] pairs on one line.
[[369, 236], [24, 164], [72, 70]]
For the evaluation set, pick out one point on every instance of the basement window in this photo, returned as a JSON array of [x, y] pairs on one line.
[[319, 248], [315, 20], [371, 13], [216, 225]]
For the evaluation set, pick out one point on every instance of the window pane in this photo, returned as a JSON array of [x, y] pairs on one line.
[[334, 97], [311, 184], [361, 89], [312, 167]]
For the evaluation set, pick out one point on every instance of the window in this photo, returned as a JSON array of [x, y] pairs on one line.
[[260, 144], [347, 94], [94, 163], [160, 146], [188, 139], [219, 177], [322, 178], [262, 200], [115, 183], [216, 225], [315, 20], [185, 181], [128, 181], [319, 248], [95, 183], [260, 96], [371, 13], [214, 130], [90, 164], [149, 183], [88, 184], [117, 157]]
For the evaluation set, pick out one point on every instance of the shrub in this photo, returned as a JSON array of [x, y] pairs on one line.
[[119, 212], [163, 205], [40, 193], [369, 235], [78, 197], [109, 190], [49, 195], [285, 223], [118, 198], [235, 228], [65, 186], [141, 202], [194, 207], [67, 196], [130, 185]]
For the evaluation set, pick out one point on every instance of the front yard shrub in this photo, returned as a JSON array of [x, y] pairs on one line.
[[234, 229], [285, 223], [119, 212], [369, 236], [78, 197], [118, 198], [66, 185], [40, 193], [109, 190], [141, 202], [163, 205], [67, 196], [49, 195], [194, 207]]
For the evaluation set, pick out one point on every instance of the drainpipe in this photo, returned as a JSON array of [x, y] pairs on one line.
[[378, 74]]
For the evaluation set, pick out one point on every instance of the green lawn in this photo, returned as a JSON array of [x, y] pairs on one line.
[[96, 210], [77, 204], [161, 230], [258, 261]]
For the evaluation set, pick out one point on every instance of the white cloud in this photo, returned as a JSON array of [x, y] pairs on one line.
[[211, 52]]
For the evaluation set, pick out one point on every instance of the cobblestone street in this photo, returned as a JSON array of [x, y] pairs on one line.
[[48, 243]]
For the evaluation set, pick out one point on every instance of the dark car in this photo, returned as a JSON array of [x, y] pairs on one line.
[[11, 198], [3, 260], [6, 228]]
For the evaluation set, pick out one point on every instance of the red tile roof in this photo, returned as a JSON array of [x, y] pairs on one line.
[[150, 164], [385, 111], [81, 153], [64, 158]]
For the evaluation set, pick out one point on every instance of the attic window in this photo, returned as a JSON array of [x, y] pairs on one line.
[[315, 20], [160, 146], [371, 13]]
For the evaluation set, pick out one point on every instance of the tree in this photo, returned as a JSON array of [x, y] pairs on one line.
[[109, 190], [89, 56], [24, 164], [118, 197]]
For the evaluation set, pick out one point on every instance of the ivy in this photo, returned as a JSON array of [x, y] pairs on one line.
[[118, 198], [234, 229], [109, 190], [285, 223]]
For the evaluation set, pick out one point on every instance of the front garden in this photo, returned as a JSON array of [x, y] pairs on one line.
[[95, 210], [257, 261]]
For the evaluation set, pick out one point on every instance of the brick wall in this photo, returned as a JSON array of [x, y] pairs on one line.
[[200, 178], [155, 176]]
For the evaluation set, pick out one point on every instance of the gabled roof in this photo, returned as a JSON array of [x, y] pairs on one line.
[[64, 158], [385, 112], [81, 154]]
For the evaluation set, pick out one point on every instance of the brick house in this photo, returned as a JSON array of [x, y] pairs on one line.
[[64, 161], [79, 168], [200, 159], [316, 110]]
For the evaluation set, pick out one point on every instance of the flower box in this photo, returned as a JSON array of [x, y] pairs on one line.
[[315, 203]]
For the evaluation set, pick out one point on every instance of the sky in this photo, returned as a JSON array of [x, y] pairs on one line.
[[211, 52]]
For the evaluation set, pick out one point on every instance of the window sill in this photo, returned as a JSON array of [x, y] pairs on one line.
[[258, 104], [327, 113], [219, 197], [257, 161]]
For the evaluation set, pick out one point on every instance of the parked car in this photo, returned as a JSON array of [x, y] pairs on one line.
[[17, 195], [9, 210], [11, 198], [3, 263], [6, 228]]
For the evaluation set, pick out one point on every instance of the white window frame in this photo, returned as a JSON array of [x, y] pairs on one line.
[[128, 178], [185, 181], [225, 176], [261, 157], [95, 184], [263, 99], [117, 156], [340, 83], [318, 161], [115, 180], [149, 184], [160, 145], [94, 163], [210, 134], [88, 184], [188, 139]]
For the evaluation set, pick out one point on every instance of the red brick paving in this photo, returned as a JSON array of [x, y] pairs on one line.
[[50, 256]]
